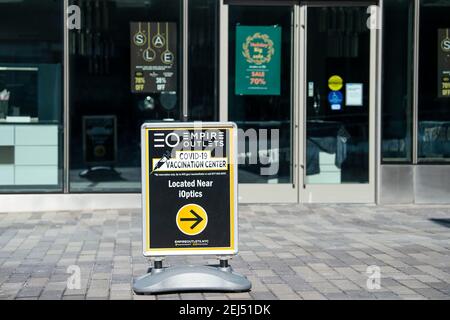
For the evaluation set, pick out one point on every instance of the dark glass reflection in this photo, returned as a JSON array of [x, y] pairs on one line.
[[203, 70], [434, 77], [398, 81], [31, 96], [101, 102], [338, 96], [263, 112]]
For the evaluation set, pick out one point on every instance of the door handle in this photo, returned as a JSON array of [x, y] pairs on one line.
[[302, 166]]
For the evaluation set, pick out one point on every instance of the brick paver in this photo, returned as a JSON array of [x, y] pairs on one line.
[[287, 251]]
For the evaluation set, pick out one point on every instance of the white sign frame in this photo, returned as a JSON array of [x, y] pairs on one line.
[[350, 100], [233, 162]]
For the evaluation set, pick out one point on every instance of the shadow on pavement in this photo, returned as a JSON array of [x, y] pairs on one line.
[[442, 222]]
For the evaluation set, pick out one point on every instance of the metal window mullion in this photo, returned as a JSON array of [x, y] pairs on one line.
[[295, 97], [379, 103], [303, 99], [415, 144], [66, 116]]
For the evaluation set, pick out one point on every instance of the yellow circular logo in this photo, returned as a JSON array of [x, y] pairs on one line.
[[100, 151], [335, 83], [192, 219]]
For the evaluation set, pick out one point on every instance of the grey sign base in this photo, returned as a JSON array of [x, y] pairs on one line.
[[191, 279]]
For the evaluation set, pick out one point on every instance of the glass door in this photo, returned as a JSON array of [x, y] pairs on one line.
[[339, 99], [261, 98]]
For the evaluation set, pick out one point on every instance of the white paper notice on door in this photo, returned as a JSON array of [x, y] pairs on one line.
[[354, 94]]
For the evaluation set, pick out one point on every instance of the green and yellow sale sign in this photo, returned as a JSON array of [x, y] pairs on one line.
[[258, 60]]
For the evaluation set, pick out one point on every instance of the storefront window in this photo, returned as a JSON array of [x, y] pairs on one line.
[[434, 82], [260, 90], [125, 69], [398, 81], [31, 96]]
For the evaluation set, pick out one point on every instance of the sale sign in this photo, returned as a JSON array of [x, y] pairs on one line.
[[153, 57], [258, 60]]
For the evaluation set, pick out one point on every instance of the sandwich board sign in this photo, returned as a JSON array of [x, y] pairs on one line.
[[189, 189]]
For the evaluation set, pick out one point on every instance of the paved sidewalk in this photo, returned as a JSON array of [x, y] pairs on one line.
[[287, 251]]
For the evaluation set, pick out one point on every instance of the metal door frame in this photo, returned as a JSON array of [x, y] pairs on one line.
[[351, 193], [264, 193]]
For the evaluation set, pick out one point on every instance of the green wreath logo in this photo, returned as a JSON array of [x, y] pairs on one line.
[[261, 42]]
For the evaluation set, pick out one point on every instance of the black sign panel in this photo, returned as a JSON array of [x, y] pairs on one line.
[[99, 140], [189, 185], [444, 63], [153, 57]]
